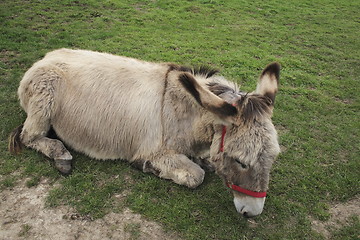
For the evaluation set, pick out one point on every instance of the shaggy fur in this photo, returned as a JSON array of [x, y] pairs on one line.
[[156, 116]]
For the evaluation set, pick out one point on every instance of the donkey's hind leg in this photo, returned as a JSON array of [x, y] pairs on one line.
[[40, 108], [33, 135]]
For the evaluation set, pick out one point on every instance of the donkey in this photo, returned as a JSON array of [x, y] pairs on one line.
[[163, 118]]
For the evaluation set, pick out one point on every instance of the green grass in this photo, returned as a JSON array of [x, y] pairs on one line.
[[350, 231], [317, 109]]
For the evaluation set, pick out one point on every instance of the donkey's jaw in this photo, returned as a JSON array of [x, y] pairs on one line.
[[249, 206]]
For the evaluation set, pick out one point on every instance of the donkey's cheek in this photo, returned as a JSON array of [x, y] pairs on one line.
[[249, 206]]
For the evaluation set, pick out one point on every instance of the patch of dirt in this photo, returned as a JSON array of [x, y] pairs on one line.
[[24, 216], [6, 56], [344, 101], [339, 216]]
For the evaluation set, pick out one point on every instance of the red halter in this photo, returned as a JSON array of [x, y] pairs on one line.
[[247, 192], [235, 187]]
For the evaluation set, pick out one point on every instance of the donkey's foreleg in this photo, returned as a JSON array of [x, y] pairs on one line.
[[176, 167]]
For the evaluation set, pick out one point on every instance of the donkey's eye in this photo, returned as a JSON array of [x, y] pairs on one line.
[[243, 165]]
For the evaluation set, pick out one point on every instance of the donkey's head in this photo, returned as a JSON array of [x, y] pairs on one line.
[[245, 142]]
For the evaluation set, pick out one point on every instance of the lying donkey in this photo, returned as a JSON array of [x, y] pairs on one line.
[[163, 118]]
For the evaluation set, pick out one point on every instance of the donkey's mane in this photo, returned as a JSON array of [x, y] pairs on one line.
[[253, 106], [218, 88], [205, 71]]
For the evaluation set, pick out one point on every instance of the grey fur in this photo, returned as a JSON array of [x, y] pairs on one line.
[[112, 107]]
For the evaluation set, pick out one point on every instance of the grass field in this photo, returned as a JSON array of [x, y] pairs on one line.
[[317, 109]]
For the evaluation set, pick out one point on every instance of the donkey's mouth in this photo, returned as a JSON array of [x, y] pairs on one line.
[[249, 206]]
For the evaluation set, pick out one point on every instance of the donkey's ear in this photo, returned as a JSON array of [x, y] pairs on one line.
[[207, 99], [269, 81]]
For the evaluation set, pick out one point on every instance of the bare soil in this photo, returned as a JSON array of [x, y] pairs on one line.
[[340, 214], [23, 215]]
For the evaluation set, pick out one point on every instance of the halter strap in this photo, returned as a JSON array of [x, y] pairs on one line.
[[245, 191]]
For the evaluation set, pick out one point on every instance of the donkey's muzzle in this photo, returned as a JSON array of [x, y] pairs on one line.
[[249, 206]]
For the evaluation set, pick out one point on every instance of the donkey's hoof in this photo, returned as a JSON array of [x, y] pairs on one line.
[[64, 166], [190, 179]]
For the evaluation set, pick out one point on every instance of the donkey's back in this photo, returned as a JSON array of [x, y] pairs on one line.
[[92, 101]]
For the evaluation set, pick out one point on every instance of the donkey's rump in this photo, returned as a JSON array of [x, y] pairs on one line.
[[100, 97]]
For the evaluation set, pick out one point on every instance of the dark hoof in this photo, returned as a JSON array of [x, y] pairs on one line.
[[64, 166]]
